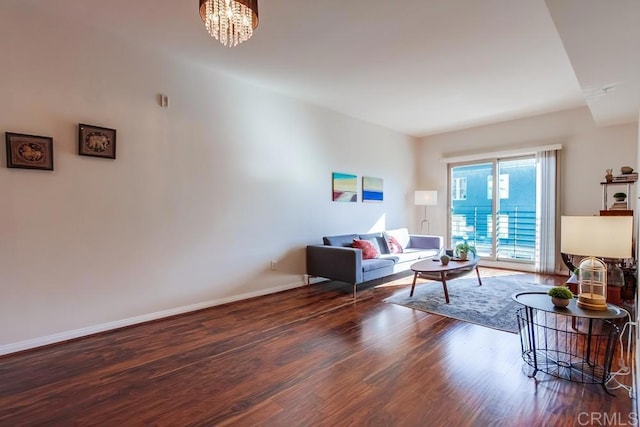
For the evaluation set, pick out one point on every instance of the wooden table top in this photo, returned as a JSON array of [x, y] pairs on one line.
[[431, 266]]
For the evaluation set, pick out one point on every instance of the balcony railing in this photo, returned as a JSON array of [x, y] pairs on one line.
[[516, 231]]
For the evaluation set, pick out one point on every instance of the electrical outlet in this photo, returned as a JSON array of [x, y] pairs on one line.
[[273, 265]]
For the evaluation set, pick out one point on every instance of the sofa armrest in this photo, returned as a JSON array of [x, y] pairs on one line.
[[335, 262], [420, 241]]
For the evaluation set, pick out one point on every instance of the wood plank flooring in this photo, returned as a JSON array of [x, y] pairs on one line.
[[304, 357]]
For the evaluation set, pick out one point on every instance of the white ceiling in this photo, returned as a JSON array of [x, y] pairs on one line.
[[416, 66]]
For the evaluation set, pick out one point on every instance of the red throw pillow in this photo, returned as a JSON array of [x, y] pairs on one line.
[[368, 250], [394, 246]]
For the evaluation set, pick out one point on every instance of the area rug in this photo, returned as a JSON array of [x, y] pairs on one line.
[[488, 305]]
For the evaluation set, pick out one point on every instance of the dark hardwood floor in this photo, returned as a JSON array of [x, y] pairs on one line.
[[308, 356]]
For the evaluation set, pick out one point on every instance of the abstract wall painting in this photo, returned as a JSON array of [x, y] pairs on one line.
[[372, 189], [345, 187]]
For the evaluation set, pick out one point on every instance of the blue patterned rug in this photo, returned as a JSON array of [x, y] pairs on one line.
[[488, 305]]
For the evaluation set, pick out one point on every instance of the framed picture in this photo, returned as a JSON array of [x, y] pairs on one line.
[[345, 187], [372, 189], [96, 141], [29, 151]]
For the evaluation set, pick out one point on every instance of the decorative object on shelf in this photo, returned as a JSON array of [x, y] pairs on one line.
[[619, 205], [372, 189], [626, 178], [230, 21], [444, 259], [620, 197], [29, 151], [96, 141], [560, 296], [425, 198], [463, 249], [345, 187], [595, 236], [608, 175], [626, 170]]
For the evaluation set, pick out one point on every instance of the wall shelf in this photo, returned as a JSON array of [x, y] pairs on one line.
[[622, 209]]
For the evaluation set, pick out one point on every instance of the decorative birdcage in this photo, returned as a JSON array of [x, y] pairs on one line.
[[592, 284]]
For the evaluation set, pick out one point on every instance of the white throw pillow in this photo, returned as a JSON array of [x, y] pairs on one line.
[[400, 234]]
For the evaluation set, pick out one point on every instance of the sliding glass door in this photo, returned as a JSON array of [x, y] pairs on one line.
[[500, 220]]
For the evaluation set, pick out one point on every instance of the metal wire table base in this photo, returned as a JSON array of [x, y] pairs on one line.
[[553, 344]]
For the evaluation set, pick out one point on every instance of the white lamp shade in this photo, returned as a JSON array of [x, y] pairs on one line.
[[598, 236], [426, 198]]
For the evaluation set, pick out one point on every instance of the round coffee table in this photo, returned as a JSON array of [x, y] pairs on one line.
[[434, 270]]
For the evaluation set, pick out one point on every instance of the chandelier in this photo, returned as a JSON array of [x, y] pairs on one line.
[[230, 21]]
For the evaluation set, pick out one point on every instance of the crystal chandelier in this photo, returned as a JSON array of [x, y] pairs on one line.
[[230, 21]]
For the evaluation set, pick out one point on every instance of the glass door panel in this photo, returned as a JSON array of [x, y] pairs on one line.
[[516, 203], [500, 220], [472, 207]]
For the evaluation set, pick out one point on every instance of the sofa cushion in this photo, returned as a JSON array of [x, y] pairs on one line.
[[400, 234], [369, 250], [374, 264], [394, 246], [378, 241], [416, 254], [345, 240], [395, 258], [408, 256]]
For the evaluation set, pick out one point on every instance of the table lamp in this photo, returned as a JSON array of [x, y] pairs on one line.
[[595, 237]]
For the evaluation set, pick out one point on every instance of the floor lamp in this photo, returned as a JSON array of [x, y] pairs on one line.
[[425, 198]]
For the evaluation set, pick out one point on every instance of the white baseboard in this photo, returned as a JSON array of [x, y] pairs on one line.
[[77, 333]]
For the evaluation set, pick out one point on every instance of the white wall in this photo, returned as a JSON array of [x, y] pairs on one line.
[[202, 196], [587, 152]]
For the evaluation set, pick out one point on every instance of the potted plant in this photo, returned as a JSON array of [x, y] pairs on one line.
[[463, 249], [444, 259], [620, 197], [560, 296]]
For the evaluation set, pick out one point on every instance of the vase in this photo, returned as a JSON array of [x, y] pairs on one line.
[[560, 302], [609, 178]]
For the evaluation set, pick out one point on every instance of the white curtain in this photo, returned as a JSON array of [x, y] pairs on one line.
[[546, 189]]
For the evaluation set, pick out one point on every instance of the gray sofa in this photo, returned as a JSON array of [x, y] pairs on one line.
[[338, 260]]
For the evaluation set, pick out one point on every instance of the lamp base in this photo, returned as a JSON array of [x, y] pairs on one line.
[[592, 302], [422, 227]]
